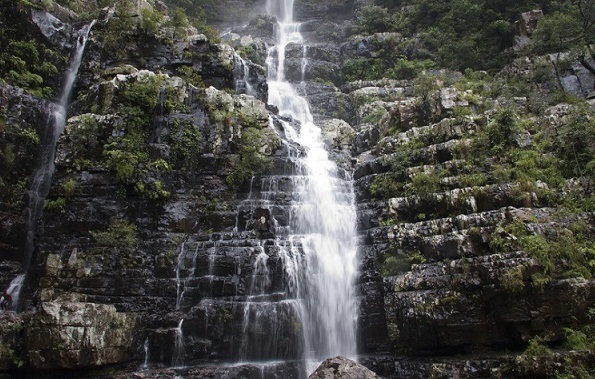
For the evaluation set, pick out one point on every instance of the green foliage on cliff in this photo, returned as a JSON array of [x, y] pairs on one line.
[[567, 26], [461, 34], [566, 251], [126, 152], [394, 264], [465, 33], [120, 235], [376, 19], [11, 345], [576, 142], [26, 59], [250, 161], [186, 144]]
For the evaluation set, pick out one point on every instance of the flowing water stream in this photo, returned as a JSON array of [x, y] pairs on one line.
[[42, 178], [322, 220]]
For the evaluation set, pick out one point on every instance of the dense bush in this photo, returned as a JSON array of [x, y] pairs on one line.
[[120, 235], [250, 160], [26, 59]]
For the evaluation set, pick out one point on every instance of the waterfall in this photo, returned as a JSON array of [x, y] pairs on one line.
[[242, 75], [42, 178], [179, 350], [145, 365], [14, 290], [322, 220]]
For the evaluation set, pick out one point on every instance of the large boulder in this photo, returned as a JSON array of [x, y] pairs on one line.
[[342, 368]]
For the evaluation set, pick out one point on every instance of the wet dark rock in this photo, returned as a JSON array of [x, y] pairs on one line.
[[24, 115], [56, 31]]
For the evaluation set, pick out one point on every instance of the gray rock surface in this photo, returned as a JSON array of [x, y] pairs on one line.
[[342, 368]]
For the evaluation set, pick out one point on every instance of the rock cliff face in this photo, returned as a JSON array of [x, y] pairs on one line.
[[151, 245]]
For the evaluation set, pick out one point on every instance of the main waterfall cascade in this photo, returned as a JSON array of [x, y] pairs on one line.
[[277, 292], [322, 221]]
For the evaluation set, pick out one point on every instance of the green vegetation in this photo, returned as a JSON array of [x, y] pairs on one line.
[[504, 147], [576, 142], [11, 346], [250, 161], [394, 264], [186, 144], [190, 76], [566, 251], [26, 61], [569, 26], [18, 144], [460, 34], [537, 348], [126, 151], [120, 235]]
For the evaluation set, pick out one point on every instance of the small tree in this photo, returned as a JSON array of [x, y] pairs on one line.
[[571, 30]]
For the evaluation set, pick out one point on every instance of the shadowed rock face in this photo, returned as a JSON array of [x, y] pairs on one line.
[[21, 114]]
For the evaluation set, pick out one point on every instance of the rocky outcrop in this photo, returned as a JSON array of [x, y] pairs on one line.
[[57, 32], [70, 335]]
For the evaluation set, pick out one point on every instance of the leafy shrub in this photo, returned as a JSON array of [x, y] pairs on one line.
[[496, 137], [537, 348], [30, 136], [191, 76], [394, 264], [363, 69], [26, 63], [186, 144], [409, 69], [513, 279], [576, 145], [250, 160], [120, 30], [577, 340], [372, 19], [151, 20], [424, 86], [120, 234], [391, 183], [143, 92], [57, 205], [69, 186], [567, 252], [423, 185]]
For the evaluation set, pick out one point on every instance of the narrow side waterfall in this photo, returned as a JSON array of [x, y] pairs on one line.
[[42, 178], [322, 220]]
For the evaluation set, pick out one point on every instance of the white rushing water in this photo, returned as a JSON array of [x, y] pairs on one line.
[[322, 220]]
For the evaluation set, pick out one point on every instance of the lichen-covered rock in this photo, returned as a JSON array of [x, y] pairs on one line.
[[342, 368], [338, 134], [68, 335]]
